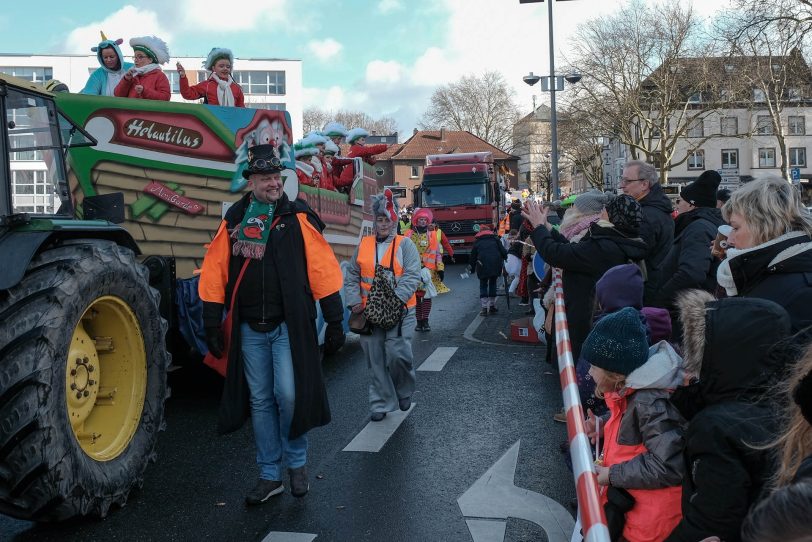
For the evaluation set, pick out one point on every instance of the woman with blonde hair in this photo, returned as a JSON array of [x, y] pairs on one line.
[[771, 256]]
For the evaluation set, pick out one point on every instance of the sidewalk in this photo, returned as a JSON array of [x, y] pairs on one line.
[[495, 328]]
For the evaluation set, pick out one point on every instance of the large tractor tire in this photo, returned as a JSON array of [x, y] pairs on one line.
[[82, 382]]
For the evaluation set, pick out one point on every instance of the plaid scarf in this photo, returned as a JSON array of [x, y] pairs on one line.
[[252, 234]]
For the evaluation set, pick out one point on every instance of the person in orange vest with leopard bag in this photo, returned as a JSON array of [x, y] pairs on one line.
[[388, 352]]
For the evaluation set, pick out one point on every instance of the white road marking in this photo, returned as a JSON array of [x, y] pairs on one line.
[[486, 530], [437, 360], [278, 536], [375, 434], [495, 496]]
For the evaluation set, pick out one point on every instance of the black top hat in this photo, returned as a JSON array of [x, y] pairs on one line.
[[262, 159]]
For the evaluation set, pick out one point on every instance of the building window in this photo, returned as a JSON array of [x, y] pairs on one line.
[[728, 68], [31, 192], [796, 125], [725, 95], [265, 105], [696, 160], [764, 125], [261, 82], [766, 157], [730, 158], [695, 98], [794, 94], [174, 81], [696, 128], [657, 160], [797, 157], [379, 171], [35, 75], [729, 126], [415, 172], [759, 96]]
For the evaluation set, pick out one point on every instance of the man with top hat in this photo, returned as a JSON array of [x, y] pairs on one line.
[[220, 88], [267, 266], [146, 80]]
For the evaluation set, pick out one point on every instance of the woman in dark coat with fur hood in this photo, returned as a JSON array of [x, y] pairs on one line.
[[611, 241], [729, 345]]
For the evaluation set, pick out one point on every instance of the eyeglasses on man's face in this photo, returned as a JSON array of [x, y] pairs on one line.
[[624, 181]]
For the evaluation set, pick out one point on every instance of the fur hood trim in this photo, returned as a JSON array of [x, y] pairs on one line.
[[691, 304]]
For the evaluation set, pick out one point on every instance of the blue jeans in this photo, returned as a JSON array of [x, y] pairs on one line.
[[269, 373], [487, 287]]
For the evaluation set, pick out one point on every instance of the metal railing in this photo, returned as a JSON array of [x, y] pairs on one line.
[[593, 519]]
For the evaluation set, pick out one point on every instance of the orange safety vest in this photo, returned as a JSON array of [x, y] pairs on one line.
[[366, 262], [432, 253], [504, 224]]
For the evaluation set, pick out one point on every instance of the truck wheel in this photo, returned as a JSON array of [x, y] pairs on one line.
[[82, 382]]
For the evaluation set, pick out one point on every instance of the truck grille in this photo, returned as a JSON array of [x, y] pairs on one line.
[[460, 227]]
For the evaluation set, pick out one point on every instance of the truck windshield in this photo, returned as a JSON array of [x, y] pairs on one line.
[[441, 195], [38, 182]]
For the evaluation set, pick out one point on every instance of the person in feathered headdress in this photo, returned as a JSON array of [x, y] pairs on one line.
[[303, 152], [358, 148], [335, 131], [103, 81], [220, 88], [388, 352], [145, 79]]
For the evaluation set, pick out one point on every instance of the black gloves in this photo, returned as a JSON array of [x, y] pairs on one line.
[[334, 337], [214, 341]]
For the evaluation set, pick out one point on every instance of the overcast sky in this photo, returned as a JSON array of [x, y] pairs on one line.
[[384, 57]]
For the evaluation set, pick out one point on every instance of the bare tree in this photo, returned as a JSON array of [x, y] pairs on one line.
[[775, 77], [650, 80], [483, 105], [581, 144], [315, 119]]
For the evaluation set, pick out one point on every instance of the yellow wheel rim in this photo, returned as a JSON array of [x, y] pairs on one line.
[[106, 378]]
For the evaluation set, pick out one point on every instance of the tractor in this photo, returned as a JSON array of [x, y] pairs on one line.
[[83, 361]]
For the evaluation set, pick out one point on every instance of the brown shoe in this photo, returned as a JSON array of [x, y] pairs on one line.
[[560, 416], [299, 486]]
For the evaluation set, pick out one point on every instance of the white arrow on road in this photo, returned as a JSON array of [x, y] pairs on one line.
[[495, 496]]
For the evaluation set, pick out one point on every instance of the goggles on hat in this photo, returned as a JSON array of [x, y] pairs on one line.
[[272, 163]]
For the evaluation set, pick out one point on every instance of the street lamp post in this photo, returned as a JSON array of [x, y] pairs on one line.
[[531, 79]]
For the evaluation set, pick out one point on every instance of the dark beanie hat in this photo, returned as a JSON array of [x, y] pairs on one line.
[[617, 343], [621, 286], [723, 194], [625, 214], [702, 192]]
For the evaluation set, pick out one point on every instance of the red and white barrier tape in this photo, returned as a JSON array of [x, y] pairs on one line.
[[593, 519]]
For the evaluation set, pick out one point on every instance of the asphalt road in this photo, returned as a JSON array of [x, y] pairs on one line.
[[486, 399]]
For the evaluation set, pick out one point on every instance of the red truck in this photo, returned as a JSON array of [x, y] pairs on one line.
[[463, 192]]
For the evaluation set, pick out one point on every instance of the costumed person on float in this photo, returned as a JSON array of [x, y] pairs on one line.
[[335, 132], [220, 88], [390, 360], [428, 245], [103, 80], [332, 163], [305, 171], [358, 149], [267, 265], [317, 160], [146, 80]]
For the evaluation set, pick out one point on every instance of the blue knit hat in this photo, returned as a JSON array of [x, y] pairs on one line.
[[617, 343]]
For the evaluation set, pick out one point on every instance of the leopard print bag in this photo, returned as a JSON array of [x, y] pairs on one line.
[[384, 308]]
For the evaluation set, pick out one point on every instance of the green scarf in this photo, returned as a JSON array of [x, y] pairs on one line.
[[254, 231]]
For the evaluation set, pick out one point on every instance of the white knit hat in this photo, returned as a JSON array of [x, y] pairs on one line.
[[155, 47], [216, 54]]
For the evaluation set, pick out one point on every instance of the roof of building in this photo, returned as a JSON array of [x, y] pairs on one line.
[[426, 142], [542, 113]]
